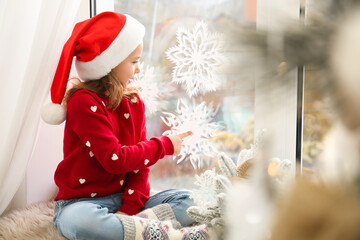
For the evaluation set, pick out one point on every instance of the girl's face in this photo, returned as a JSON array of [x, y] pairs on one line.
[[127, 69]]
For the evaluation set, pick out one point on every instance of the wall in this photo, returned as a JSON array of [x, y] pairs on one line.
[[48, 149]]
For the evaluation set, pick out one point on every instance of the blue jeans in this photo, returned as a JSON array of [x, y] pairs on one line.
[[89, 218]]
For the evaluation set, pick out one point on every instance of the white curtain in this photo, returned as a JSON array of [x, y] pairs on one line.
[[32, 33]]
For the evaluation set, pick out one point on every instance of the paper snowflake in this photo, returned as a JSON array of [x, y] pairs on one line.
[[152, 89], [206, 192], [198, 59], [198, 119], [210, 200]]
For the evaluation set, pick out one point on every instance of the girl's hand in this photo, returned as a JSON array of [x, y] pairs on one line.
[[177, 140]]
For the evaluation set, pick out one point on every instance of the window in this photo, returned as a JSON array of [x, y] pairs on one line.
[[239, 100]]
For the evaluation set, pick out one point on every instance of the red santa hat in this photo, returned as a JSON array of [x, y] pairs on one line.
[[99, 45]]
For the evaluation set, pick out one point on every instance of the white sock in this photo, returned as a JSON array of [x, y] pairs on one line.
[[137, 228]]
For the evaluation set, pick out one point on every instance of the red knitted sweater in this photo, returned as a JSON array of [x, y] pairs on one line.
[[107, 152]]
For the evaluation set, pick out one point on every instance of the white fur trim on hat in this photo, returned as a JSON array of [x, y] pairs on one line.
[[53, 113], [125, 42]]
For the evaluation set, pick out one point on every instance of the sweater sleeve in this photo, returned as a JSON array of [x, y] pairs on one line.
[[137, 191], [88, 118]]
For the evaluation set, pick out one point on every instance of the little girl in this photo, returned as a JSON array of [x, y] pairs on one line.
[[103, 179]]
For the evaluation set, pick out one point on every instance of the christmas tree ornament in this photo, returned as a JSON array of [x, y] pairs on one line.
[[227, 165], [246, 154]]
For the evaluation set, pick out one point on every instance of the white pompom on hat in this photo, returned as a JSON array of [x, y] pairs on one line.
[[99, 45]]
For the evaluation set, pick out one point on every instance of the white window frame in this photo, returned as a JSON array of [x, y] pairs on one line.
[[284, 120]]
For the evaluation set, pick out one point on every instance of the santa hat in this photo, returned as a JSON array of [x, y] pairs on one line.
[[99, 45]]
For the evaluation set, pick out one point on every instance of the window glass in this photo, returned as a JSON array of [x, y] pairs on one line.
[[222, 106], [319, 114], [318, 119]]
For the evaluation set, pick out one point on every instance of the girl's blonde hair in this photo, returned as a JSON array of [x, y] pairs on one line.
[[106, 87]]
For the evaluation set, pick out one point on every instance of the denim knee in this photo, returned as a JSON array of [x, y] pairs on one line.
[[88, 221], [180, 202], [184, 198]]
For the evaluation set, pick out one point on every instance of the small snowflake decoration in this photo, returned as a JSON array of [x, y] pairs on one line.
[[151, 89], [196, 118], [206, 193], [198, 59]]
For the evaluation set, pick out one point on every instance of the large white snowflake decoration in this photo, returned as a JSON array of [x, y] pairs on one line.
[[198, 119], [198, 59], [152, 90]]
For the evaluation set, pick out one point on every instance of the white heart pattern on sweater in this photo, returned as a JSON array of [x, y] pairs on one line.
[[146, 161], [87, 144], [114, 157], [91, 154], [130, 191], [82, 181], [93, 194], [122, 182], [93, 108], [126, 115], [136, 171]]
